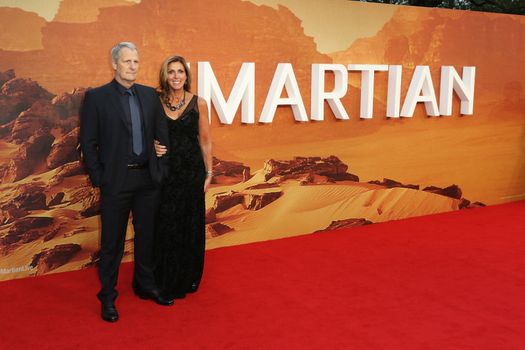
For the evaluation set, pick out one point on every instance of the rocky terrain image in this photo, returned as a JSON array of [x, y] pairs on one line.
[[271, 180]]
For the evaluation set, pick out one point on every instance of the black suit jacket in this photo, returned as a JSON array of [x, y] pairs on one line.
[[105, 133]]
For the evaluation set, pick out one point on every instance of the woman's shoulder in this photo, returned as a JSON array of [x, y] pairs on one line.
[[201, 102]]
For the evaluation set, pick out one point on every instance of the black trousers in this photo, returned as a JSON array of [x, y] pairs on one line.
[[140, 196]]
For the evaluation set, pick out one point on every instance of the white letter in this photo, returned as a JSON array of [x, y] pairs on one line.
[[450, 80], [284, 77], [393, 98], [367, 87], [421, 82], [334, 97], [243, 89]]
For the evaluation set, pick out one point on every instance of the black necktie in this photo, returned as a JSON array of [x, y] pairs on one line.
[[136, 127]]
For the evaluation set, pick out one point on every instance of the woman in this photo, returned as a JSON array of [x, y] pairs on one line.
[[180, 236]]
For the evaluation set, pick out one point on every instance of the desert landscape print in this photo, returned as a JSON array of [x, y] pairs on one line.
[[271, 180]]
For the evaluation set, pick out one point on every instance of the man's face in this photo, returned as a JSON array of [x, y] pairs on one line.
[[127, 66]]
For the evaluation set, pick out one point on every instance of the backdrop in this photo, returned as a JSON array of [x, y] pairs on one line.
[[275, 177]]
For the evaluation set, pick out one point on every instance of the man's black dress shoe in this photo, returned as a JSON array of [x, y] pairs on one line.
[[193, 288], [109, 313], [153, 295]]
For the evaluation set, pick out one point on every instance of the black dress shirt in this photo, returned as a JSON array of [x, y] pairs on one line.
[[124, 100]]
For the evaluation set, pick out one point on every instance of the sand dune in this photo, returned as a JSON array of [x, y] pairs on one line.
[[305, 209]]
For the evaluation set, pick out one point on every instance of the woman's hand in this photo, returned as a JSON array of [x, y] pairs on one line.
[[160, 150]]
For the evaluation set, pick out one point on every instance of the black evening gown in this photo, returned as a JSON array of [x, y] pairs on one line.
[[180, 236]]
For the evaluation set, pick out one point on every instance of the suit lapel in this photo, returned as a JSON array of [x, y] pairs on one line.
[[113, 97]]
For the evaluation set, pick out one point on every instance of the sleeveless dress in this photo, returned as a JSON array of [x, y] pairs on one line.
[[180, 235]]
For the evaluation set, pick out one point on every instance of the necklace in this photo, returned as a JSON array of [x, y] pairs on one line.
[[177, 106]]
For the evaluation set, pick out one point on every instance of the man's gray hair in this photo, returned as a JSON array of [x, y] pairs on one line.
[[115, 51]]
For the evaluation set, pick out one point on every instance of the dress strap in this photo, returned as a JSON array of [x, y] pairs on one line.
[[190, 107], [194, 103]]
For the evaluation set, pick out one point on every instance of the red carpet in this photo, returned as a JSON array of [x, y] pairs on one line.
[[448, 281]]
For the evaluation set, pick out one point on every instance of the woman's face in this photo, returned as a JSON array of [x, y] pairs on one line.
[[176, 76]]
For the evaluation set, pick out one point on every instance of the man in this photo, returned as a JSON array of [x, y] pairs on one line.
[[119, 122]]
